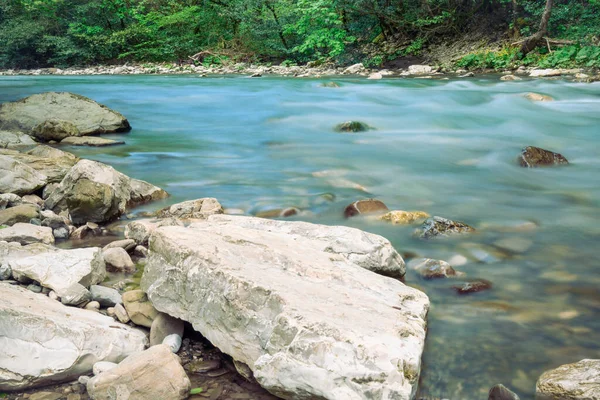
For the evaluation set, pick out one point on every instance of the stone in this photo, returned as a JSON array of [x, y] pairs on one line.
[[517, 245], [140, 251], [278, 213], [60, 233], [27, 234], [121, 313], [44, 342], [163, 326], [9, 200], [545, 73], [85, 114], [532, 157], [75, 295], [352, 126], [420, 69], [330, 85], [140, 230], [370, 206], [53, 296], [139, 308], [126, 244], [54, 129], [33, 199], [173, 341], [473, 286], [103, 366], [501, 392], [105, 296], [429, 268], [5, 272], [48, 161], [118, 260], [577, 381], [198, 208], [45, 396], [18, 178], [375, 76], [92, 306], [467, 75], [510, 78], [48, 189], [95, 192], [10, 140], [301, 310], [398, 217], [23, 213], [538, 97], [354, 69], [155, 373], [80, 233], [93, 141], [59, 269], [442, 227], [34, 288]]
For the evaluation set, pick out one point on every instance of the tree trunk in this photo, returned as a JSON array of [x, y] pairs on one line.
[[533, 41]]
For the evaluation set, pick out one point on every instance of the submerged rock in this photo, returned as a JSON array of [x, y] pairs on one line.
[[118, 260], [93, 141], [81, 112], [501, 392], [352, 126], [473, 286], [429, 268], [300, 311], [45, 342], [399, 217], [532, 157], [538, 97], [370, 206], [438, 226], [577, 381], [278, 213]]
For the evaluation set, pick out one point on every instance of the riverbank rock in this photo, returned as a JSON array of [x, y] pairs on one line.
[[53, 163], [95, 192], [105, 296], [399, 217], [43, 342], [301, 311], [532, 157], [510, 78], [420, 70], [545, 73], [139, 308], [43, 110], [352, 126], [430, 269], [118, 260], [54, 129], [354, 69], [22, 213], [93, 141], [155, 373], [163, 326], [140, 230], [18, 178], [27, 234], [362, 207], [442, 227], [10, 140], [198, 208], [577, 381]]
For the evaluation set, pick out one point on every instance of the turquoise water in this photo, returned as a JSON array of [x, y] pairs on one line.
[[447, 147]]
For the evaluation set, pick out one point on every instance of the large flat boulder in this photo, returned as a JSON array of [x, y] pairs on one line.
[[48, 161], [577, 381], [43, 342], [294, 304], [20, 213], [19, 178], [95, 192], [27, 234], [14, 139], [49, 113]]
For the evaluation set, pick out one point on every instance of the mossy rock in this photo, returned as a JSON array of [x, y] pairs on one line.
[[330, 85], [352, 126]]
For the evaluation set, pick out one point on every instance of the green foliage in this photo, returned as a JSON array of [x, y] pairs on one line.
[[196, 391], [374, 61], [489, 60]]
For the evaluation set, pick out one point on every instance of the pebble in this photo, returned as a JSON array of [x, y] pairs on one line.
[[83, 379], [121, 313], [35, 288], [93, 306], [173, 341], [514, 244]]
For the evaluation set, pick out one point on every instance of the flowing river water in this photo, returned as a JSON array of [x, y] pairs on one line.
[[447, 147]]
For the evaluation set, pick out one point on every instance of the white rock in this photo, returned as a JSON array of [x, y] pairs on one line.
[[125, 244], [578, 381], [121, 313], [18, 178], [420, 69], [173, 341], [544, 73], [375, 76], [27, 234], [44, 342], [198, 208], [140, 230], [118, 260], [103, 366], [355, 69], [302, 312]]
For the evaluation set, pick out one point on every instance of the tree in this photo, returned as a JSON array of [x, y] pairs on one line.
[[533, 41]]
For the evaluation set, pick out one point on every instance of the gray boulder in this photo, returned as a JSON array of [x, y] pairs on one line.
[[294, 302], [18, 178], [44, 342], [95, 192], [14, 140], [105, 296], [577, 381], [83, 113], [27, 234]]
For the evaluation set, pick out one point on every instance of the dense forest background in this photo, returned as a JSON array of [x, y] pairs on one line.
[[43, 33]]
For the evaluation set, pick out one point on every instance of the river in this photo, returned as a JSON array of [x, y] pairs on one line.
[[447, 147]]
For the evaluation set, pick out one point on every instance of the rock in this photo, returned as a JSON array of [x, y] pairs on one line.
[[14, 140], [23, 213], [18, 178], [54, 129], [103, 366], [330, 85], [5, 272], [516, 245], [92, 306], [300, 311], [48, 161], [532, 157], [45, 396], [33, 199], [510, 78], [173, 341], [198, 208], [27, 234], [370, 206], [139, 308], [429, 268], [117, 260], [34, 288], [9, 200], [105, 296], [44, 342], [501, 392], [126, 244], [352, 126], [399, 217], [538, 97], [75, 295], [96, 192], [467, 75], [53, 296], [80, 233], [545, 73], [140, 230], [577, 381], [278, 213], [354, 69], [140, 251], [376, 76], [163, 326], [438, 226], [121, 313], [85, 114], [473, 286], [152, 374], [48, 189], [60, 233], [83, 380], [59, 269], [420, 69], [94, 141]]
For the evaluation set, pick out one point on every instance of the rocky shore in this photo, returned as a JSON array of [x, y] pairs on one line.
[[296, 310]]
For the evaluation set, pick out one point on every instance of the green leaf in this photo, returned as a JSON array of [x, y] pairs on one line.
[[196, 390]]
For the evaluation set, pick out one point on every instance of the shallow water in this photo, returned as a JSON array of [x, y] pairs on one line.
[[447, 147]]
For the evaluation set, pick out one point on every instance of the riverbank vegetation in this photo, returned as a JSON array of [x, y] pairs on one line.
[[471, 34]]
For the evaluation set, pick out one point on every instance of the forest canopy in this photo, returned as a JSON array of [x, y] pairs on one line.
[[44, 33]]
